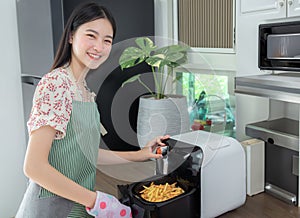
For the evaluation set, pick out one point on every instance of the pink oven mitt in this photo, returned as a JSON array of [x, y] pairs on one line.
[[108, 206]]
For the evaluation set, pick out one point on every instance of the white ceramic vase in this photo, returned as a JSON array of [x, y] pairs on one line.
[[160, 117]]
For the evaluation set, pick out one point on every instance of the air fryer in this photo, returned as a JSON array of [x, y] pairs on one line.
[[185, 163]]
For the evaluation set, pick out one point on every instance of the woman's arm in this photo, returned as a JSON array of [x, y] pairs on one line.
[[119, 157], [38, 169]]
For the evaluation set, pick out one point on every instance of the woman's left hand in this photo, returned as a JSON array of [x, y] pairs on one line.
[[147, 152]]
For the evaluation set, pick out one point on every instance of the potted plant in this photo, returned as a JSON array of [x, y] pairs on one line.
[[159, 113]]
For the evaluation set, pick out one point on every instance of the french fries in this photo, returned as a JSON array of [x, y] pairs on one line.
[[159, 193]]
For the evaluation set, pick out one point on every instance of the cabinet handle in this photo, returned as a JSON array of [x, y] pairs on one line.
[[290, 2], [281, 3], [30, 79]]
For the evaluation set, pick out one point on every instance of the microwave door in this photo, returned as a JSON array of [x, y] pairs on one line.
[[278, 48], [282, 46]]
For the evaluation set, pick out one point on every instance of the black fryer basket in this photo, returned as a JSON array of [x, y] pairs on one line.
[[137, 187], [179, 206]]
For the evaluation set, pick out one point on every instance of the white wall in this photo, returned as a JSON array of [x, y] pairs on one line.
[[12, 132]]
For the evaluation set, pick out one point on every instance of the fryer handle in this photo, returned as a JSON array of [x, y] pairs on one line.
[[129, 199], [140, 204], [124, 197]]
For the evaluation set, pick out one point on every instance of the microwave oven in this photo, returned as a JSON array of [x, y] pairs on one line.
[[279, 46]]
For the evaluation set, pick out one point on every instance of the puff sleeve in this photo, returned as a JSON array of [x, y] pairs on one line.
[[52, 104]]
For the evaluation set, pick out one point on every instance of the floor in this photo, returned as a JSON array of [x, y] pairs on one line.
[[261, 205]]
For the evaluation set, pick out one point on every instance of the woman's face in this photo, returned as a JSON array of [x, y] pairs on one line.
[[91, 44]]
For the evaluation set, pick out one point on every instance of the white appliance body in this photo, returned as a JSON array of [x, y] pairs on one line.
[[223, 172]]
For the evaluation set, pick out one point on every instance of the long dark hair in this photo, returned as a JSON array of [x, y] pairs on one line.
[[82, 14]]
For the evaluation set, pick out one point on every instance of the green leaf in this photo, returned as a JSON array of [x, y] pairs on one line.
[[175, 59], [130, 57], [155, 60], [178, 62], [172, 49], [146, 44], [131, 79], [173, 55]]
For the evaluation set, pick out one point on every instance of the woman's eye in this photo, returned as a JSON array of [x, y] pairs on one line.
[[108, 41], [91, 36]]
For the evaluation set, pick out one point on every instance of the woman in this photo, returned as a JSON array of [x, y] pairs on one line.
[[64, 127]]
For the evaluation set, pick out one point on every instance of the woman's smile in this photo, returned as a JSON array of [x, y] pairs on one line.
[[94, 56]]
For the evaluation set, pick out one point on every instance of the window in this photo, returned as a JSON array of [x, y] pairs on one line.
[[210, 100], [208, 26]]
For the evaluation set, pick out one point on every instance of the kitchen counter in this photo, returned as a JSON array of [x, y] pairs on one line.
[[281, 86]]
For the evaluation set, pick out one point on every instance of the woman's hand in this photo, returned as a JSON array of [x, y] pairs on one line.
[[119, 157], [146, 153], [107, 205]]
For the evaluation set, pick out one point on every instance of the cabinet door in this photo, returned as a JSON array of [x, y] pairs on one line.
[[293, 8], [273, 8]]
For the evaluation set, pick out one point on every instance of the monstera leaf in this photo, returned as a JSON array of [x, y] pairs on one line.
[[146, 51], [133, 56]]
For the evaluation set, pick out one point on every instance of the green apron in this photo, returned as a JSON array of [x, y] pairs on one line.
[[75, 156]]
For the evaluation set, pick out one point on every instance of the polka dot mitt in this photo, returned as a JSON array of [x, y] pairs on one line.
[[108, 206]]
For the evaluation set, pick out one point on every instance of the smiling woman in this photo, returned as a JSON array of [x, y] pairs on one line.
[[64, 127], [62, 105]]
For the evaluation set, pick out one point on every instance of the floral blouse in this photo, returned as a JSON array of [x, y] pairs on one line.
[[52, 101]]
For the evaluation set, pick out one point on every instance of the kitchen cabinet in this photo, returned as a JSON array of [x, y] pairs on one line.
[[271, 9], [293, 8]]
